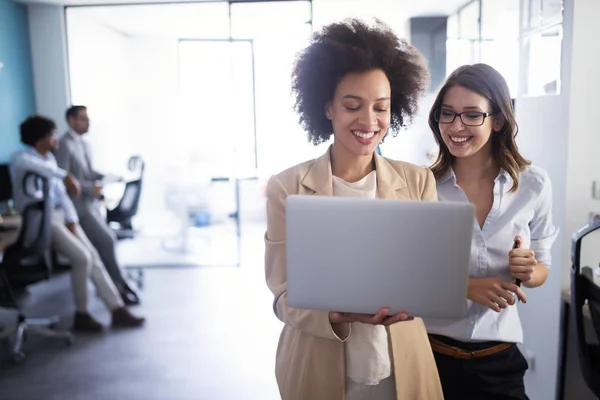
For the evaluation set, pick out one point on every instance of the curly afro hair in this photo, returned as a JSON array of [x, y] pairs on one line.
[[353, 46]]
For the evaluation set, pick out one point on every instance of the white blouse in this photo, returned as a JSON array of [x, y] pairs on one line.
[[526, 212], [368, 361]]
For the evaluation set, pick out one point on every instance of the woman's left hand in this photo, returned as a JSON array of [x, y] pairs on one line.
[[521, 262], [381, 318]]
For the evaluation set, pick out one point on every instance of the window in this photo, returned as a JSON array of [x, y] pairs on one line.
[[500, 39], [541, 47]]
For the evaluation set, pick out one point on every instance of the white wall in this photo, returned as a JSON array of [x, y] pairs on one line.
[[544, 141], [583, 165], [49, 56], [99, 61], [544, 138]]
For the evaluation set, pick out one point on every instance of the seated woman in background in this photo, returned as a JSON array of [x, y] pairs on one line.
[[354, 82], [474, 126]]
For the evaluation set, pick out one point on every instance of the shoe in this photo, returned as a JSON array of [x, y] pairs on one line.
[[129, 295], [122, 318], [130, 299], [84, 322]]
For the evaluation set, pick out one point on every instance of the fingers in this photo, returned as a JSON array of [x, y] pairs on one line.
[[526, 259], [499, 300], [523, 277], [516, 290], [494, 306], [345, 318], [401, 316], [522, 269], [519, 240], [336, 318], [522, 273], [379, 317], [507, 297], [521, 295]]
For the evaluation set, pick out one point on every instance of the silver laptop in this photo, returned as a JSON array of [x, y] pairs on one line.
[[359, 255]]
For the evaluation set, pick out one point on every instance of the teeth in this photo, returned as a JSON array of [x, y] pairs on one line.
[[459, 139], [362, 135]]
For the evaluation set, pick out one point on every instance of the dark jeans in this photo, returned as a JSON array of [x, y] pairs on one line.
[[495, 377]]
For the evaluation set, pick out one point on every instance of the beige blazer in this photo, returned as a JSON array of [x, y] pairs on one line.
[[310, 363]]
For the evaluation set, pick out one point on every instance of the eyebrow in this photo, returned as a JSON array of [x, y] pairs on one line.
[[465, 108], [354, 97]]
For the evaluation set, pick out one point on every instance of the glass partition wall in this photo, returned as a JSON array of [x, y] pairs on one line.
[[517, 37], [202, 92]]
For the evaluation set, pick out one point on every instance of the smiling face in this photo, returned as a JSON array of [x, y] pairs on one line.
[[463, 140], [360, 112]]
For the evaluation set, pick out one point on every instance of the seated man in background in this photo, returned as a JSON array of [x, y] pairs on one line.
[[73, 156], [39, 136]]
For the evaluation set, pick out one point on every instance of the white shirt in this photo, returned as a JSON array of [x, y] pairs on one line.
[[80, 143], [367, 349], [75, 136], [29, 160], [526, 212]]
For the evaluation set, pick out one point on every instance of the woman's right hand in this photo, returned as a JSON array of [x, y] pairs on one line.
[[381, 318], [494, 292]]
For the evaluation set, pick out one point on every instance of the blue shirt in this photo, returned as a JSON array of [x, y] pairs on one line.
[[29, 160], [526, 212]]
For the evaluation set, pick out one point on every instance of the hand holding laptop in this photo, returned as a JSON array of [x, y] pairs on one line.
[[381, 318]]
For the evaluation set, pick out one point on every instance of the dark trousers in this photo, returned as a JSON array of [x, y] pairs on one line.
[[498, 376]]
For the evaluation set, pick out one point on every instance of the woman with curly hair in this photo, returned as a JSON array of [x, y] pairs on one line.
[[357, 83]]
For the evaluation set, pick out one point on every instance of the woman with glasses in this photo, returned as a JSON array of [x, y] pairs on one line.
[[354, 84], [473, 123]]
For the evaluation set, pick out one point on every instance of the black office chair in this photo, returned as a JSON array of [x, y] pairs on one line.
[[24, 263], [127, 207], [585, 291]]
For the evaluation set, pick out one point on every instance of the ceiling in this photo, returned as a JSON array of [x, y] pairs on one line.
[[205, 18], [435, 6]]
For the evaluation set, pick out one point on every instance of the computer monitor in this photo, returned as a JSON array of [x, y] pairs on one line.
[[5, 184]]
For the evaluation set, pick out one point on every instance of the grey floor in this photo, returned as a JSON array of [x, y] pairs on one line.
[[210, 335]]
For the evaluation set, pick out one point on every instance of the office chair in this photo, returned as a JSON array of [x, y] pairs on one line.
[[5, 185], [585, 291], [128, 205], [24, 263]]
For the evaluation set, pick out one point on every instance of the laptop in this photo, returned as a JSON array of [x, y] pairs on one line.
[[359, 255]]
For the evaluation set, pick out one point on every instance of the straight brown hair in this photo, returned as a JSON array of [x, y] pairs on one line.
[[489, 83]]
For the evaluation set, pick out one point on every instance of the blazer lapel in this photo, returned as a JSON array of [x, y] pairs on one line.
[[390, 183], [319, 178], [86, 155], [79, 152]]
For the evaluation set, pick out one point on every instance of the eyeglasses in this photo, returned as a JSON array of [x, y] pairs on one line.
[[468, 118]]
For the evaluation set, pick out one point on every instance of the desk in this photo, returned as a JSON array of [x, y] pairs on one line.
[[9, 231], [570, 382]]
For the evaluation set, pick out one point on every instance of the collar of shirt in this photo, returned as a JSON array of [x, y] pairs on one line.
[[31, 150], [75, 135], [503, 177]]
